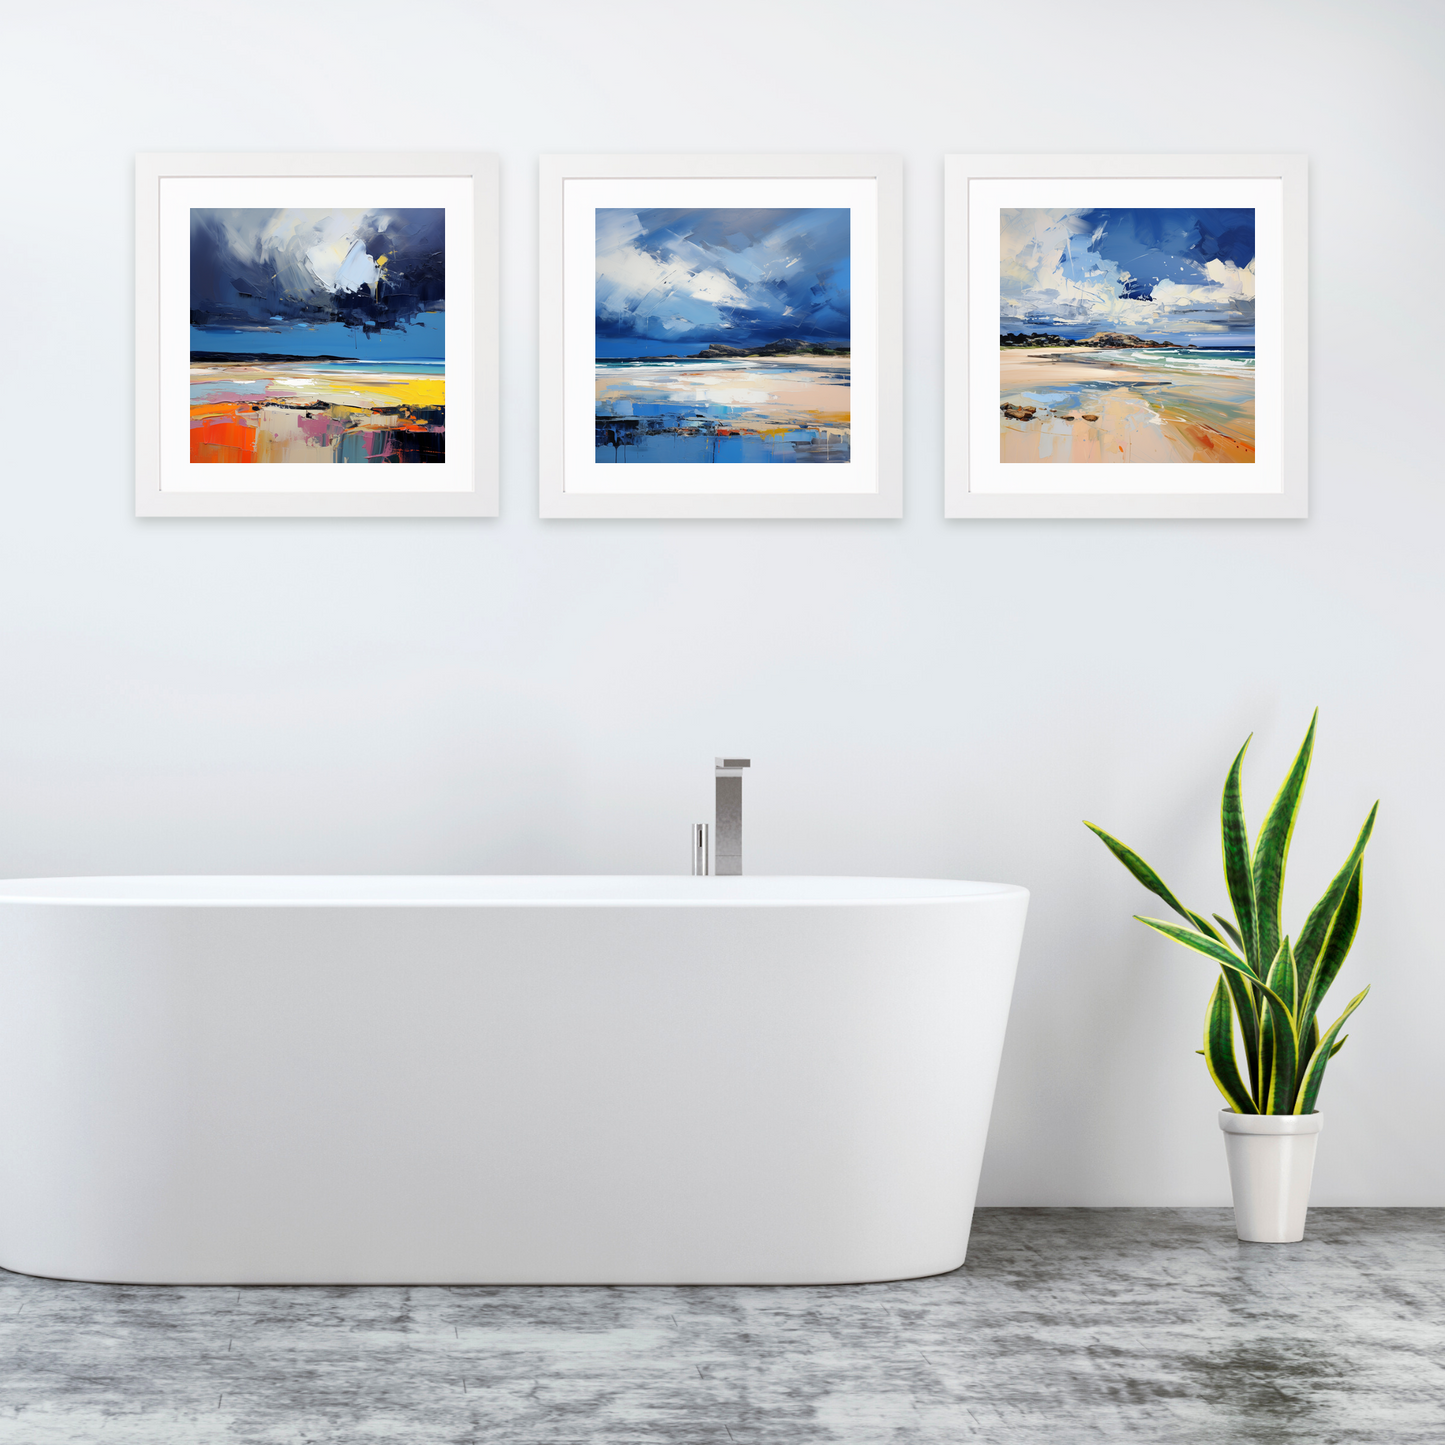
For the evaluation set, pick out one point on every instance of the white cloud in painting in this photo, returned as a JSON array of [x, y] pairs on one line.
[[305, 248], [710, 273], [679, 291], [342, 265]]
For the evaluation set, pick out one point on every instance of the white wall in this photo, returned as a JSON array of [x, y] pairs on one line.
[[918, 697]]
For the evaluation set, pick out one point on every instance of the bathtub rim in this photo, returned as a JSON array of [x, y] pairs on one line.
[[495, 890]]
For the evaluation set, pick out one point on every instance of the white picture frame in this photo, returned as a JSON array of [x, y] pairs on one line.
[[980, 483], [172, 480], [573, 189]]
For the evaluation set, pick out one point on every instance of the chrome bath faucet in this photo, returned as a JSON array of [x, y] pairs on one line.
[[728, 815]]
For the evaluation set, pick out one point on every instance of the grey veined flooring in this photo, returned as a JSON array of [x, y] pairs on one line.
[[1065, 1325]]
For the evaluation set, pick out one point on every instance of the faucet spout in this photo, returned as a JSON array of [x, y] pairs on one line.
[[728, 820]]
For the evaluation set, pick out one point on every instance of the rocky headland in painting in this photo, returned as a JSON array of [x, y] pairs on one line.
[[716, 351], [1112, 340]]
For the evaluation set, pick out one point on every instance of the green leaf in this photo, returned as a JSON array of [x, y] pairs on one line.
[[1219, 1051], [1313, 1074], [1271, 850], [1277, 1029], [1238, 873], [1279, 1037], [1205, 927], [1321, 967], [1277, 1033], [1280, 1034], [1142, 871], [1231, 930], [1283, 976], [1209, 947], [1339, 1044], [1322, 915], [1246, 1007]]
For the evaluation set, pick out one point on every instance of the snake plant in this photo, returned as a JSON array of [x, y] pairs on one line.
[[1269, 987]]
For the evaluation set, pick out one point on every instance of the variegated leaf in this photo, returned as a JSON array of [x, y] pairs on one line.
[[1238, 869], [1313, 1074], [1284, 1042], [1140, 869], [1219, 1051], [1231, 930], [1246, 1008], [1205, 927], [1209, 947], [1337, 943], [1321, 922], [1279, 1091], [1283, 976], [1271, 850]]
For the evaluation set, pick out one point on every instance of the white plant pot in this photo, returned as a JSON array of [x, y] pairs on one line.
[[1271, 1163]]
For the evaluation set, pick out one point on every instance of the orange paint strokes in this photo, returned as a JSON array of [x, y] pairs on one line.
[[1207, 444], [218, 435]]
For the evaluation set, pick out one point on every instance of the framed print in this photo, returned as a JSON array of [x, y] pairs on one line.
[[721, 336], [1125, 336], [316, 336]]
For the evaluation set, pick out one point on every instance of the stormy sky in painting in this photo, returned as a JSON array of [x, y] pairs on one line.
[[742, 277], [1167, 275], [369, 284]]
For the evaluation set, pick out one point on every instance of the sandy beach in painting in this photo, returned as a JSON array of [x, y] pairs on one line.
[[1086, 404], [788, 409], [317, 411]]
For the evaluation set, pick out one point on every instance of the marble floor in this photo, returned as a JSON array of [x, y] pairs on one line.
[[1065, 1325]]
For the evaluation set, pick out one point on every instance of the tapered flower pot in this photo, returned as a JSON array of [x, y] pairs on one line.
[[1271, 1163]]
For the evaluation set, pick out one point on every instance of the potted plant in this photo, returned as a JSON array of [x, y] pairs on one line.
[[1271, 990]]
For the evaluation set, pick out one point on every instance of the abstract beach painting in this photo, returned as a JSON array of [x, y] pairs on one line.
[[317, 335], [1127, 334], [723, 336]]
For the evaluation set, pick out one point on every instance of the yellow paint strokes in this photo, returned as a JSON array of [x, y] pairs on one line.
[[342, 390], [360, 389]]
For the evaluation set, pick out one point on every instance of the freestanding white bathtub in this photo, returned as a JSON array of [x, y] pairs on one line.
[[497, 1080]]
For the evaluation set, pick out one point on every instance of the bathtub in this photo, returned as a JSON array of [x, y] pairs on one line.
[[488, 1080]]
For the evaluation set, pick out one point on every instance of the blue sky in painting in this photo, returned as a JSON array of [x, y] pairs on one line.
[[423, 340], [1165, 274], [679, 279]]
